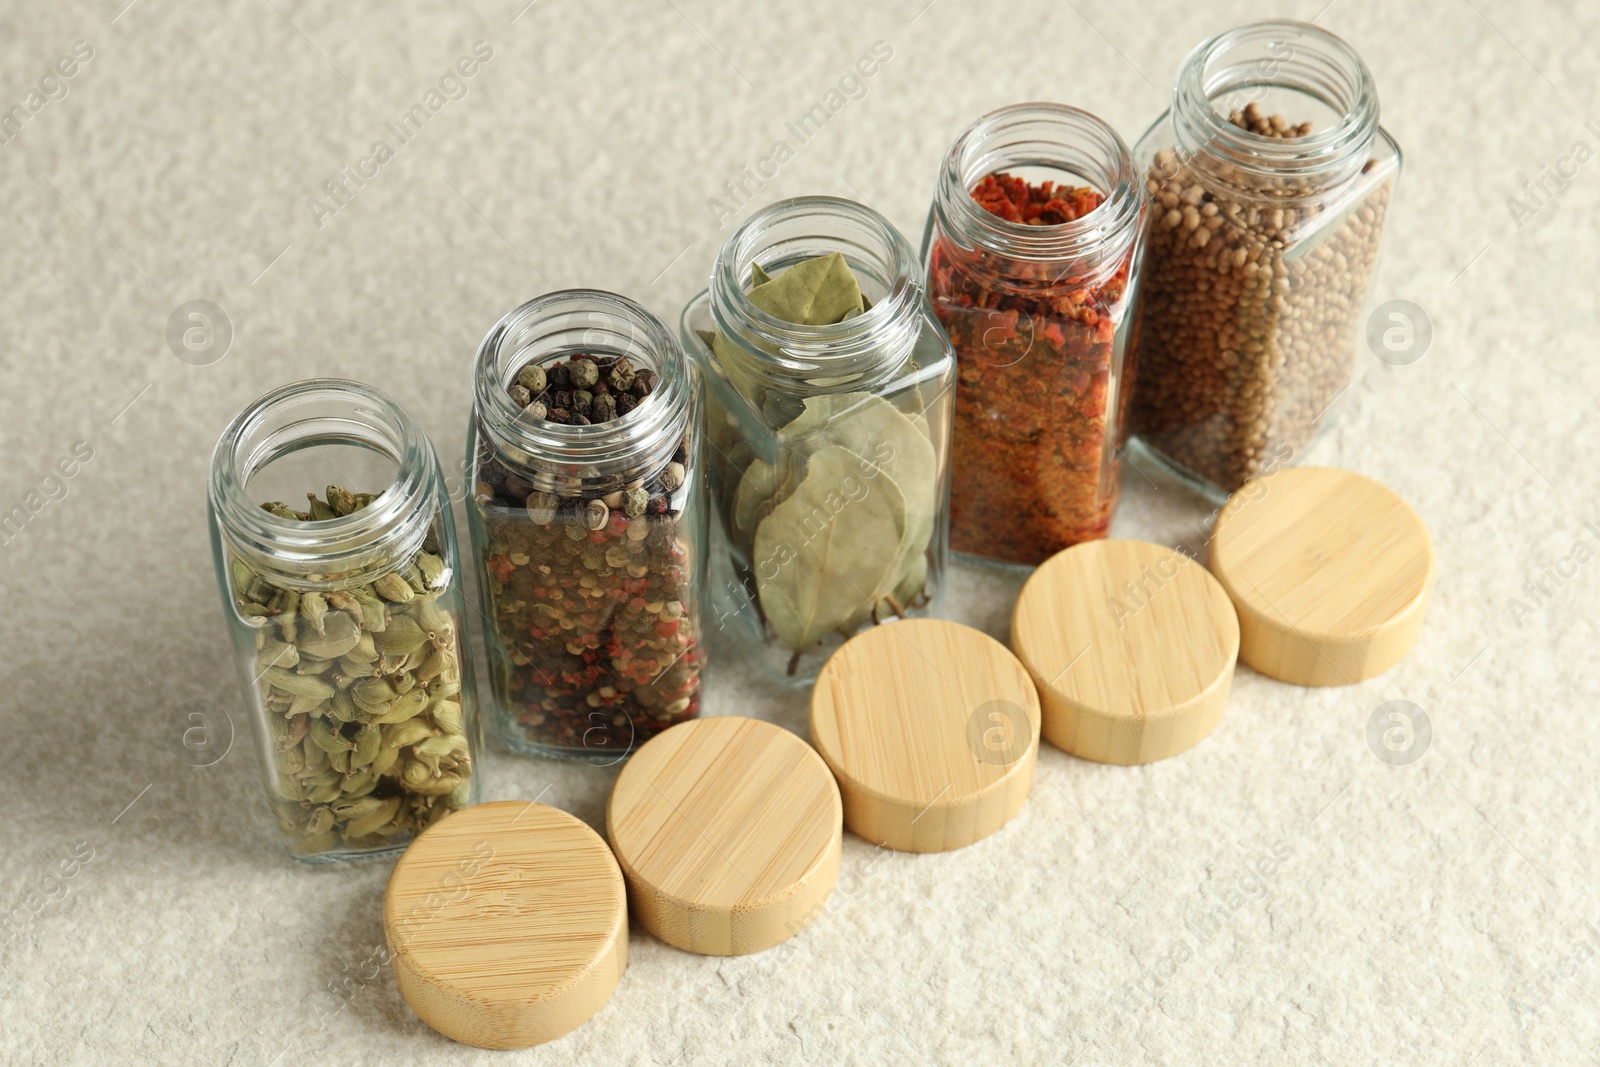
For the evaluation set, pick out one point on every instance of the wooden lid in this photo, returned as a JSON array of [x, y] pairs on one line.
[[1132, 647], [507, 924], [932, 729], [728, 832], [1330, 572]]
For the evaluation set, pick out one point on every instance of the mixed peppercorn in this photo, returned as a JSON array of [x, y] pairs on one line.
[[594, 640]]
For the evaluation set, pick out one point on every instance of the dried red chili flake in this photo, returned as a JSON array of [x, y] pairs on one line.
[[1033, 470], [1045, 204]]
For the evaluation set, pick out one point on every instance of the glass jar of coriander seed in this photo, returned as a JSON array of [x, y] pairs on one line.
[[828, 421], [336, 561], [588, 525], [1270, 179]]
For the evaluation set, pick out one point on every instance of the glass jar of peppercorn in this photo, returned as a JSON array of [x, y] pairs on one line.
[[1269, 179], [1032, 253], [588, 524], [828, 417]]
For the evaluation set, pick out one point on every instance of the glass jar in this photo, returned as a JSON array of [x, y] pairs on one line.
[[1270, 179], [1032, 251], [347, 616], [589, 533], [828, 441]]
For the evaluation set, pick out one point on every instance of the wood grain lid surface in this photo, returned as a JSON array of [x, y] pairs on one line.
[[728, 831], [1132, 646], [1330, 572], [507, 924], [931, 728]]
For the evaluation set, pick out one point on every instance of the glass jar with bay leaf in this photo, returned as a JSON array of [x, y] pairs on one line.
[[828, 421], [588, 524], [347, 616]]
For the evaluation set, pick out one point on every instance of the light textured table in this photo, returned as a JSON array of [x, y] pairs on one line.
[[1277, 894]]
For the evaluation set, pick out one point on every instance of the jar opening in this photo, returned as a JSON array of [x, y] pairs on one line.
[[1295, 69], [556, 327], [296, 440], [873, 343], [1040, 142]]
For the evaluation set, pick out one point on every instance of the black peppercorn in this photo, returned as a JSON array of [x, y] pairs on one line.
[[558, 377], [558, 415]]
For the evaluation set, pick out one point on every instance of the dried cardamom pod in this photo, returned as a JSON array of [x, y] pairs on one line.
[[337, 636], [394, 588]]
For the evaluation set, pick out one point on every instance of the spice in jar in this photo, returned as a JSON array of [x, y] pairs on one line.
[[834, 528], [589, 592], [1037, 425], [360, 681], [1250, 311]]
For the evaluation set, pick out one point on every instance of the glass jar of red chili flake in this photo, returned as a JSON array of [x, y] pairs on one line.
[[1032, 253], [588, 524]]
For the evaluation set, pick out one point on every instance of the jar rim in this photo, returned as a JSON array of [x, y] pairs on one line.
[[1305, 58], [1039, 133], [873, 340], [300, 415], [645, 436]]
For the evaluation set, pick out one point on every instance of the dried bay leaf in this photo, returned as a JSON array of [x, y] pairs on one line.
[[813, 292], [821, 554], [897, 446]]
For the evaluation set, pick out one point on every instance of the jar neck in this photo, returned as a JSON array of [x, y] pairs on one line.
[[1287, 59], [866, 348], [1077, 148], [556, 327], [317, 413]]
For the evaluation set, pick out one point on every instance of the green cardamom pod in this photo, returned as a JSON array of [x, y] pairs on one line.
[[340, 760], [361, 825], [402, 637], [406, 706], [350, 668], [368, 740], [402, 734], [365, 650], [297, 684], [339, 635], [343, 708], [320, 512], [316, 759], [432, 568], [323, 794], [372, 695], [341, 500], [447, 716], [393, 588], [275, 653], [314, 609], [327, 738], [321, 820], [388, 756], [358, 783], [306, 706], [437, 787]]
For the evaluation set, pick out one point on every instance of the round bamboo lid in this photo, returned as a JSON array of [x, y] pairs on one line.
[[1330, 572], [728, 832], [1132, 646], [507, 924], [932, 730]]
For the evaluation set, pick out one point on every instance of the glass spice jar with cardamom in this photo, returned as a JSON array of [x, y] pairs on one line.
[[1032, 252], [1270, 180], [828, 423], [336, 560], [588, 525]]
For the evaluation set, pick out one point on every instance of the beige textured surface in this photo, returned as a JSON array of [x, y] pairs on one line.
[[1275, 895]]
